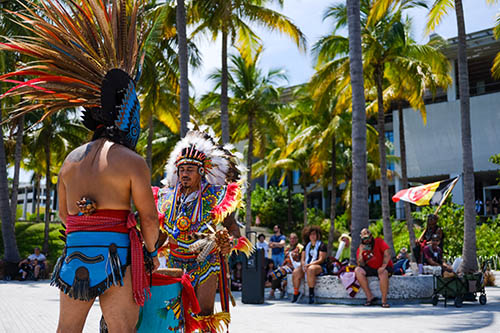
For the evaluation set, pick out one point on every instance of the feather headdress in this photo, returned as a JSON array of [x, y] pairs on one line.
[[74, 45], [201, 147]]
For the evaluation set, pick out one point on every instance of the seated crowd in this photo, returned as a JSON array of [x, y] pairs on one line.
[[373, 258]]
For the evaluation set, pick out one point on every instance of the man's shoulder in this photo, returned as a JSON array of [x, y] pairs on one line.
[[124, 152]]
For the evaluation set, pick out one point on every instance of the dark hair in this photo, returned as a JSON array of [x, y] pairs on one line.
[[258, 237], [307, 231], [112, 134], [432, 217]]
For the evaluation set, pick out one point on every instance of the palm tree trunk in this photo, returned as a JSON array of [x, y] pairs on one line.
[[469, 263], [149, 149], [333, 199], [47, 198], [11, 253], [248, 215], [224, 113], [384, 186], [183, 66], [359, 208], [304, 189], [289, 196], [404, 178], [37, 196], [17, 166]]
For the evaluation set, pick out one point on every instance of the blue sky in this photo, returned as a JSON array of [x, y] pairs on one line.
[[280, 52]]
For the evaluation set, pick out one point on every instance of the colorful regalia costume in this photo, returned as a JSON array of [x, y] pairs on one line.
[[191, 220], [85, 54]]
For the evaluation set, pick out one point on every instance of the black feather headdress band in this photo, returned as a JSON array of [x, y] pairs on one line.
[[74, 46]]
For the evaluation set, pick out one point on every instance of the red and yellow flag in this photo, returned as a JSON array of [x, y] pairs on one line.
[[428, 194]]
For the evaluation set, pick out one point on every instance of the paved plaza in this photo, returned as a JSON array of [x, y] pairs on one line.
[[34, 307]]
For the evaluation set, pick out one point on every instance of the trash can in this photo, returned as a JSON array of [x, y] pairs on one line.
[[252, 289]]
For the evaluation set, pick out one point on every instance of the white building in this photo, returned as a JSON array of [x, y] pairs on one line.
[[434, 150]]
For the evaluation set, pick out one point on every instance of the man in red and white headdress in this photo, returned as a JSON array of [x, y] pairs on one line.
[[201, 192]]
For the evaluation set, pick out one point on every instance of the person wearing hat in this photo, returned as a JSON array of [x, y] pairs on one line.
[[374, 259], [431, 228], [433, 254]]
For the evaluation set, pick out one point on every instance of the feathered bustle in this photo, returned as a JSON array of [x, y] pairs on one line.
[[73, 44]]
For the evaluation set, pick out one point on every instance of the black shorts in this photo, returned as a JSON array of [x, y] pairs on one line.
[[373, 272]]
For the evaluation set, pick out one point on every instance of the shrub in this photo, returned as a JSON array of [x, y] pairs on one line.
[[271, 206]]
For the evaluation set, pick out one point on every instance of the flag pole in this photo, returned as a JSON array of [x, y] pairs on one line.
[[446, 195]]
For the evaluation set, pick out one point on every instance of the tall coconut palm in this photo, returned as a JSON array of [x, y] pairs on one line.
[[7, 64], [160, 85], [427, 71], [253, 98], [469, 252], [281, 135], [11, 252], [231, 19], [438, 10], [183, 65], [384, 45], [359, 180], [17, 166]]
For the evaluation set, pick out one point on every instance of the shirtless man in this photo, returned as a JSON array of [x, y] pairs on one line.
[[98, 180], [94, 263], [111, 174]]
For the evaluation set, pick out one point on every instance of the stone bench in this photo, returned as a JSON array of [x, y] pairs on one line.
[[402, 289]]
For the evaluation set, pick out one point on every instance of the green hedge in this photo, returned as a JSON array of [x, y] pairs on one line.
[[30, 235]]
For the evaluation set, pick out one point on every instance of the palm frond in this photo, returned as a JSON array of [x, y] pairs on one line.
[[438, 10]]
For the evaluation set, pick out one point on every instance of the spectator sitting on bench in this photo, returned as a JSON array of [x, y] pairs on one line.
[[425, 238], [313, 262], [402, 262], [26, 269], [292, 260], [38, 261], [433, 255], [374, 259]]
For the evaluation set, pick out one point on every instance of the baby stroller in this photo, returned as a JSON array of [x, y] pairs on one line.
[[464, 288]]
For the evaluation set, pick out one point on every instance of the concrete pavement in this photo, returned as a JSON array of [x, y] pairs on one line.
[[34, 307]]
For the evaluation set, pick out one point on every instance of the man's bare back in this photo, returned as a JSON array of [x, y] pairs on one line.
[[108, 173], [111, 175]]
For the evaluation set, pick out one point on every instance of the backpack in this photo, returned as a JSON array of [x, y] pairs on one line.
[[401, 266]]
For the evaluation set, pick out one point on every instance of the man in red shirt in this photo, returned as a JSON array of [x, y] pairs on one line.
[[374, 259]]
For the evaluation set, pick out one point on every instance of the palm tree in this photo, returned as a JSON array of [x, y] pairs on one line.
[[359, 180], [11, 253], [281, 135], [426, 71], [388, 48], [183, 65], [51, 142], [7, 64], [17, 166], [231, 18], [159, 88], [469, 253], [253, 98], [438, 10]]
